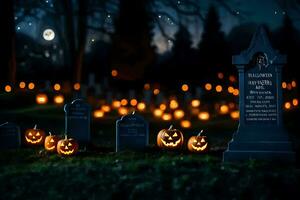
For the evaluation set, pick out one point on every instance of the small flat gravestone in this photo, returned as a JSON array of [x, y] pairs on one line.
[[10, 136], [260, 134], [77, 120], [131, 133]]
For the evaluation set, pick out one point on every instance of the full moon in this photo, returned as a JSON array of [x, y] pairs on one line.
[[48, 34]]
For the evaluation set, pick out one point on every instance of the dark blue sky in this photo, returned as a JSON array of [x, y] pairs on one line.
[[269, 12]]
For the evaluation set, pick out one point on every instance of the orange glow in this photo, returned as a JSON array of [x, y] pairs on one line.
[[232, 78], [124, 102], [236, 92], [77, 86], [123, 111], [156, 91], [230, 89], [294, 84], [195, 103], [185, 124], [59, 99], [116, 104], [141, 106], [7, 88], [31, 86], [219, 88], [220, 75], [22, 85], [41, 98], [147, 86], [98, 114], [173, 104], [224, 109], [208, 86], [184, 87], [204, 116], [295, 102], [163, 106], [178, 114], [157, 112], [114, 73], [235, 115], [166, 116], [287, 105], [105, 108], [133, 102], [283, 85], [56, 87]]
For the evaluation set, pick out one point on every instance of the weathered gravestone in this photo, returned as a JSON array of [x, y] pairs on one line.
[[260, 134], [77, 120], [10, 136], [131, 133]]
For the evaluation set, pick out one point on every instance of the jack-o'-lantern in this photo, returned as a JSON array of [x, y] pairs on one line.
[[51, 142], [34, 136], [170, 138], [198, 143], [67, 146]]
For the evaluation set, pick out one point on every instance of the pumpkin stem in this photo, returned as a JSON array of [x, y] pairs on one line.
[[199, 134], [50, 133], [35, 126], [171, 127], [66, 136]]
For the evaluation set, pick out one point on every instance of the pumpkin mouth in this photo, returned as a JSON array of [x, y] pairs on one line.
[[171, 144], [33, 141], [199, 148], [51, 148], [67, 152]]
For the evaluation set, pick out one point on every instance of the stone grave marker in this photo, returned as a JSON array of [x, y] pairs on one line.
[[131, 133], [10, 136], [260, 134], [78, 120]]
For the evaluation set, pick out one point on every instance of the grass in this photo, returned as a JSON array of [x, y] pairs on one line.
[[35, 174], [99, 173]]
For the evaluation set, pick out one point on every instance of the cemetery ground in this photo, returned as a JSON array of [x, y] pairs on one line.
[[100, 173]]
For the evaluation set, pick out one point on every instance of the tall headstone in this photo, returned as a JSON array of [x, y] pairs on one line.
[[131, 133], [78, 120], [260, 134], [10, 136]]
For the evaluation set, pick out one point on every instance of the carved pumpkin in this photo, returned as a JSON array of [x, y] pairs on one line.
[[198, 143], [34, 136], [170, 138], [51, 142], [67, 146]]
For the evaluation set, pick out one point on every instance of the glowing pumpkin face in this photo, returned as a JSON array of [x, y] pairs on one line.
[[34, 136], [51, 142], [67, 147], [198, 143], [170, 138]]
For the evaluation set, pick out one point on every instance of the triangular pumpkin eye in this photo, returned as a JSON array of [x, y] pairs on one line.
[[202, 140], [51, 140], [195, 141], [38, 134], [70, 144], [166, 135], [62, 145], [30, 134], [175, 135]]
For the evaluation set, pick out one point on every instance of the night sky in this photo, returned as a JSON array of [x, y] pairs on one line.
[[232, 13]]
